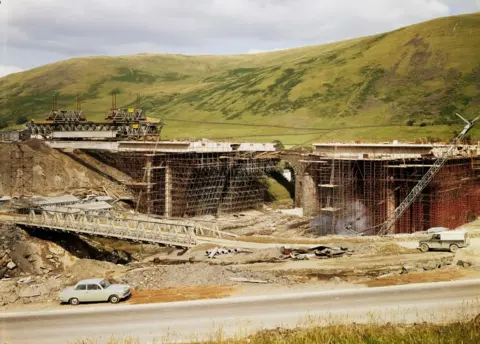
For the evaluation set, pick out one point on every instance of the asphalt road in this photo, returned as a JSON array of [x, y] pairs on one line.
[[186, 321]]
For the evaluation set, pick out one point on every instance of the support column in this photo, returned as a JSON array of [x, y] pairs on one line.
[[390, 201], [168, 191], [298, 199], [310, 196], [391, 204]]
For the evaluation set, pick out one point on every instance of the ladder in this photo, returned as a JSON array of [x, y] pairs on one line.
[[388, 225]]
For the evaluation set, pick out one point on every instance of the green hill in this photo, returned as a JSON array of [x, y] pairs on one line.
[[405, 84]]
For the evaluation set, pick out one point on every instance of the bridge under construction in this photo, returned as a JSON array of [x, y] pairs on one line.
[[346, 188]]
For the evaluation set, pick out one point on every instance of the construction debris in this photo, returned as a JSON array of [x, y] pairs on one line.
[[317, 251], [246, 280], [218, 251]]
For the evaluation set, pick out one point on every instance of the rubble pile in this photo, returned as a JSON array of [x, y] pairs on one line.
[[219, 251], [30, 268], [319, 252], [31, 289], [386, 249], [189, 275], [6, 264]]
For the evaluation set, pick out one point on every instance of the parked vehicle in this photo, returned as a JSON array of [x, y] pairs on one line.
[[94, 290], [449, 240]]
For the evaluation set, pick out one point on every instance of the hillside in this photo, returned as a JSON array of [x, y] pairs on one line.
[[419, 75]]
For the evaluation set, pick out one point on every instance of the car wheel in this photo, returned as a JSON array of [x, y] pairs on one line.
[[453, 248], [424, 247], [114, 299], [73, 301]]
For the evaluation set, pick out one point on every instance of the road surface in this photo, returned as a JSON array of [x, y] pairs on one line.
[[185, 321]]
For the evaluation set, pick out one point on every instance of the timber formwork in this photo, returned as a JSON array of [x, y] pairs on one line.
[[352, 196], [187, 184]]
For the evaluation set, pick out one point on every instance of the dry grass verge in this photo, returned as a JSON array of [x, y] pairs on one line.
[[460, 332]]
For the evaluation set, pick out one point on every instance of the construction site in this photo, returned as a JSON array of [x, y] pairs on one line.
[[81, 199], [355, 189]]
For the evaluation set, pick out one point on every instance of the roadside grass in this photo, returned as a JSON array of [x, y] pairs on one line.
[[357, 334], [467, 332]]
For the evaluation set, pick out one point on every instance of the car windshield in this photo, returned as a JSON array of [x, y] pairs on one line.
[[105, 284]]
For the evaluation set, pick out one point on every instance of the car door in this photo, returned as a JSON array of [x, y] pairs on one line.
[[81, 293], [95, 293], [435, 242]]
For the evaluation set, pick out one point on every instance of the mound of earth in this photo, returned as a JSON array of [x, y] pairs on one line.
[[32, 168], [385, 249]]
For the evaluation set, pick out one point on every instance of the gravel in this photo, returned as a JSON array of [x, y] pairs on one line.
[[165, 276]]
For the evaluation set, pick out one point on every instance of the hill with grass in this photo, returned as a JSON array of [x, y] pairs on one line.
[[405, 84]]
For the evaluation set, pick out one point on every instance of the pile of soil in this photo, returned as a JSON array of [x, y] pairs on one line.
[[88, 268], [468, 256], [31, 256], [32, 168], [384, 249]]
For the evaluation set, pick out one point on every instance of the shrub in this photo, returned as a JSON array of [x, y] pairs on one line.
[[21, 119], [279, 145], [3, 123]]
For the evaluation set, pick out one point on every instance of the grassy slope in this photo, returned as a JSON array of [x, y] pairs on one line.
[[424, 73]]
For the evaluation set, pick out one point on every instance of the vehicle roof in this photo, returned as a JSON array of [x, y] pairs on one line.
[[452, 234], [91, 281]]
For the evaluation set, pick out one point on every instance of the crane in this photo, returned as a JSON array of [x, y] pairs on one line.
[[407, 202]]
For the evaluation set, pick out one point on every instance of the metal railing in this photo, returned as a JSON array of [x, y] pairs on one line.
[[108, 225], [136, 227]]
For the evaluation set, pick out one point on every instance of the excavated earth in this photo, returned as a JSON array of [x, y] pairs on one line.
[[48, 172]]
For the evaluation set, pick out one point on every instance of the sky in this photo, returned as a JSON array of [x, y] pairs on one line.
[[37, 32]]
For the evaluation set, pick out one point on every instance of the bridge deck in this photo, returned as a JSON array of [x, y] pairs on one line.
[[156, 231]]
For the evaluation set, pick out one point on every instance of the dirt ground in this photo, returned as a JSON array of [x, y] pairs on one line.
[[48, 172], [180, 294], [443, 275], [167, 275]]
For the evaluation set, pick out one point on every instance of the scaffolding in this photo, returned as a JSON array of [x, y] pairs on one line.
[[351, 195], [450, 200], [187, 184], [356, 196], [21, 171]]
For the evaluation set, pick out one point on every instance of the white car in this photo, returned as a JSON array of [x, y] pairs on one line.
[[94, 290]]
